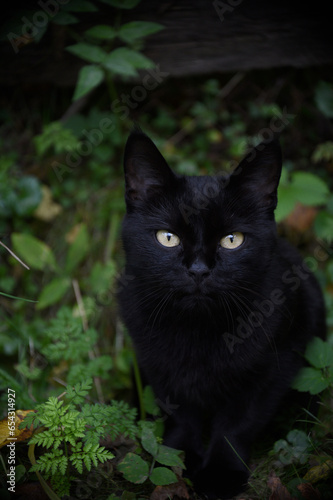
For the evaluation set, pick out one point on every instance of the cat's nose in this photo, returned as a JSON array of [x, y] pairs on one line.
[[198, 270]]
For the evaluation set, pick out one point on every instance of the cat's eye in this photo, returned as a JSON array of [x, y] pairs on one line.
[[232, 241], [167, 239]]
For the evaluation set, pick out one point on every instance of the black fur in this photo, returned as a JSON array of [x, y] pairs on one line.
[[218, 333]]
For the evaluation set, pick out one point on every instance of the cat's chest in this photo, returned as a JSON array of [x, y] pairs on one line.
[[197, 369]]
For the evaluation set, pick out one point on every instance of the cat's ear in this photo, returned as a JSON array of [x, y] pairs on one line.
[[259, 172], [146, 171]]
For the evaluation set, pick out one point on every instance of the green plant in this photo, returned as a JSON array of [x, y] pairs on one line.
[[302, 187], [124, 61], [319, 376], [20, 194], [294, 449], [137, 469], [71, 430], [41, 257]]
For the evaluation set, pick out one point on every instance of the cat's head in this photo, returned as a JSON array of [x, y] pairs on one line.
[[196, 240]]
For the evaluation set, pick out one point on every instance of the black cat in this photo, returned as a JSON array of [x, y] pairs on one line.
[[218, 307]]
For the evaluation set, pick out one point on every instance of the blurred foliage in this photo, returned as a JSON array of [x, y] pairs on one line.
[[61, 201]]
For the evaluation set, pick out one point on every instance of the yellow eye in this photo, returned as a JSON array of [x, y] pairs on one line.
[[167, 239], [232, 241]]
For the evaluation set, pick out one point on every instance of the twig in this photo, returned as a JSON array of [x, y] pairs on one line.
[[84, 320], [79, 301], [15, 256]]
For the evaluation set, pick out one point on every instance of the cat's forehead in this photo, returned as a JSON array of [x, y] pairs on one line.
[[202, 191], [200, 202], [203, 187]]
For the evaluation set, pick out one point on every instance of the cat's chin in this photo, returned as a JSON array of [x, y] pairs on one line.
[[196, 301]]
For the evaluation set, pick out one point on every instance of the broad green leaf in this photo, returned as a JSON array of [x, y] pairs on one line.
[[89, 77], [319, 353], [126, 61], [304, 187], [309, 188], [148, 439], [53, 292], [135, 58], [88, 52], [162, 476], [169, 456], [323, 226], [64, 19], [149, 401], [35, 253], [134, 468], [324, 98], [102, 32], [77, 250], [298, 439], [134, 30], [117, 63], [310, 380], [286, 202]]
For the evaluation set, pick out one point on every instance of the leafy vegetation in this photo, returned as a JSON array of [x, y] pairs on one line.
[[61, 206]]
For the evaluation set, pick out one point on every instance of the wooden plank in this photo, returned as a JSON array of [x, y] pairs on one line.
[[200, 37]]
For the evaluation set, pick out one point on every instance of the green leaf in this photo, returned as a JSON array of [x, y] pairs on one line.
[[323, 152], [310, 380], [135, 58], [323, 226], [319, 353], [148, 438], [20, 471], [34, 252], [124, 61], [169, 456], [134, 468], [64, 19], [310, 189], [324, 98], [89, 77], [77, 250], [134, 30], [149, 401], [162, 476], [88, 52], [102, 32], [286, 202], [53, 292], [303, 187], [118, 64], [57, 137]]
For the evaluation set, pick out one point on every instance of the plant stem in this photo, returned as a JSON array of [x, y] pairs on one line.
[[138, 383]]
